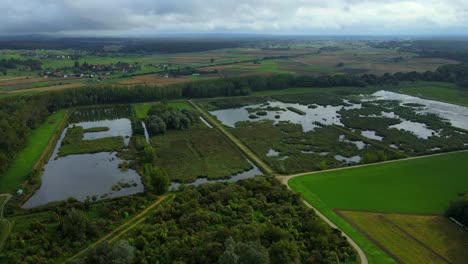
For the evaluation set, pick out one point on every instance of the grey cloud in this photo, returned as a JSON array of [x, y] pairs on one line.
[[242, 16]]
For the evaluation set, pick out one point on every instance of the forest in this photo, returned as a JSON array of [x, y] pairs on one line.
[[252, 221]]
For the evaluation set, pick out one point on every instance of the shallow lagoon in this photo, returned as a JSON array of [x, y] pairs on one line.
[[325, 115], [240, 176], [456, 114], [85, 175]]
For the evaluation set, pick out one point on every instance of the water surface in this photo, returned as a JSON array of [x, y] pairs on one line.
[[325, 115], [84, 175], [456, 114]]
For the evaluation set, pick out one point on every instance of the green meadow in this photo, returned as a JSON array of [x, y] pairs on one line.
[[26, 159]]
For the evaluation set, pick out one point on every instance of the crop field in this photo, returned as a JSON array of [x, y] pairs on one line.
[[371, 60], [198, 152], [412, 238], [417, 186], [353, 60], [27, 158], [153, 79]]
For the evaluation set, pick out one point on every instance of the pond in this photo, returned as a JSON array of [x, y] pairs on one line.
[[306, 116], [85, 175], [240, 176], [418, 129], [371, 135], [457, 115]]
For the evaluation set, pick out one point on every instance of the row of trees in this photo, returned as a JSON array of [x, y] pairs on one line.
[[17, 118], [13, 63]]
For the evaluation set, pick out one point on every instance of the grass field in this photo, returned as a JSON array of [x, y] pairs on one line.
[[198, 152], [27, 158], [448, 92], [141, 110], [413, 238], [73, 142], [424, 185]]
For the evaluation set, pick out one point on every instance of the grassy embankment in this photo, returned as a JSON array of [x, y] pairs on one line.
[[73, 142], [424, 185], [41, 141]]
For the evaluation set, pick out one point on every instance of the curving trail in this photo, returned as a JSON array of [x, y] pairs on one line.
[[124, 228], [362, 256], [5, 225]]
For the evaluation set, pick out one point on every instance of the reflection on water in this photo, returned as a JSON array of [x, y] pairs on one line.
[[205, 122], [117, 127], [272, 153], [371, 134], [418, 129], [145, 131], [359, 144], [240, 176], [354, 159], [85, 175], [456, 114], [325, 115]]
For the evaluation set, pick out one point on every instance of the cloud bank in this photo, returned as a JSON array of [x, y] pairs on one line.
[[150, 17]]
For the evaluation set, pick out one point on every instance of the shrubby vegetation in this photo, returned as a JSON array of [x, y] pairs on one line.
[[458, 209], [52, 233], [73, 143], [28, 65], [252, 221], [17, 118], [161, 117]]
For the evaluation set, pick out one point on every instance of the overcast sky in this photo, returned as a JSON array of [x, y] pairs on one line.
[[313, 17]]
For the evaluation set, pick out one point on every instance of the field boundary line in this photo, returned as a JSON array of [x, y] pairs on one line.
[[122, 227], [244, 149], [355, 226], [413, 238], [386, 212]]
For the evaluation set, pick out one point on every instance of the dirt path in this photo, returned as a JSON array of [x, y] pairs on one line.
[[124, 228], [262, 165], [5, 225]]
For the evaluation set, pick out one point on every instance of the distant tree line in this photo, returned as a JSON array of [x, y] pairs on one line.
[[100, 45], [452, 49], [15, 63]]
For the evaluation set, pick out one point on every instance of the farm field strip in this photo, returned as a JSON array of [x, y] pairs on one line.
[[410, 238], [363, 192], [40, 142]]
